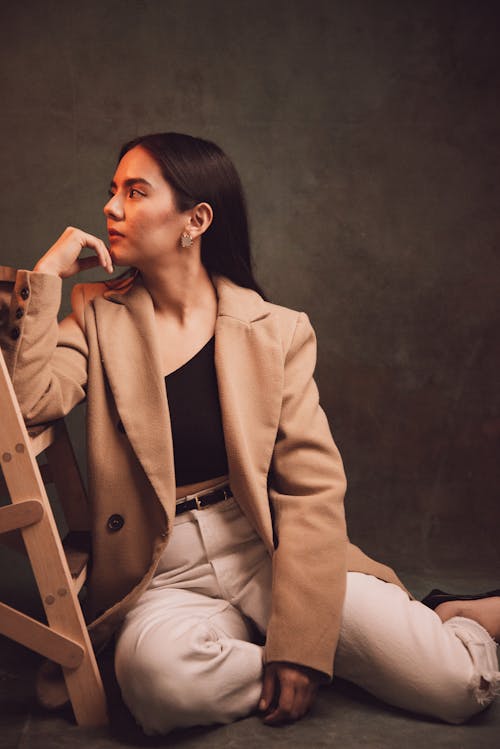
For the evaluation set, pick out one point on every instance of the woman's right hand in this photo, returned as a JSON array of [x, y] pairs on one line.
[[63, 260]]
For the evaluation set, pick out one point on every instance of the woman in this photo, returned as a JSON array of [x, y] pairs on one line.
[[215, 485]]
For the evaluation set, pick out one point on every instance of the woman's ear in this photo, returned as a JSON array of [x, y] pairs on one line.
[[200, 219]]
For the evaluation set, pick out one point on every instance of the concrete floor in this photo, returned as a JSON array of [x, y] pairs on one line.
[[344, 716]]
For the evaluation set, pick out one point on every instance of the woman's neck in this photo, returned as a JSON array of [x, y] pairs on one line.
[[180, 289]]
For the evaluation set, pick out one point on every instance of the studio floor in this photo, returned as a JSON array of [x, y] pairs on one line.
[[344, 716]]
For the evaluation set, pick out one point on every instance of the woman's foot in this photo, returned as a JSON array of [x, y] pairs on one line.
[[485, 611]]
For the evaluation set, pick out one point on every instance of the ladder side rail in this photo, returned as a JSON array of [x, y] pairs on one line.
[[45, 551]]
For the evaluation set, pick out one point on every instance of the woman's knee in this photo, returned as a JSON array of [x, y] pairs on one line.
[[198, 679], [162, 682]]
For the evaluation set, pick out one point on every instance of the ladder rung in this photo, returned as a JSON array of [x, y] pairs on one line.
[[39, 637], [79, 580], [76, 547], [20, 514], [42, 437]]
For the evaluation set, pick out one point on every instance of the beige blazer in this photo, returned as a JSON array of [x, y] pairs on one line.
[[284, 467]]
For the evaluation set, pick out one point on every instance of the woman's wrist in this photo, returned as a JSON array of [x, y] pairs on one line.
[[45, 267]]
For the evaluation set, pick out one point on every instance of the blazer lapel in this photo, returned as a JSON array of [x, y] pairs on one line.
[[249, 365], [125, 325]]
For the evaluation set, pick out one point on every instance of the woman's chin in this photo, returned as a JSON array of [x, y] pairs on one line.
[[118, 259]]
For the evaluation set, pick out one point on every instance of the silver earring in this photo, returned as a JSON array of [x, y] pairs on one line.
[[186, 239]]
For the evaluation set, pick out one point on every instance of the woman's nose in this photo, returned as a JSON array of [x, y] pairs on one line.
[[113, 208]]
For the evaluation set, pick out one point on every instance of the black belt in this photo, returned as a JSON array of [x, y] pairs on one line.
[[203, 499]]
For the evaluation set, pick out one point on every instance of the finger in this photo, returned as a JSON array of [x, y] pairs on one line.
[[85, 263], [62, 259], [304, 699], [269, 685], [106, 255], [290, 710], [283, 712], [81, 264], [290, 713], [88, 240]]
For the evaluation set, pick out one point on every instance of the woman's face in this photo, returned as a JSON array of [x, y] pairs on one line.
[[144, 225]]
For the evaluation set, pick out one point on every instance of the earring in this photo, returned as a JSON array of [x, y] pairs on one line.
[[186, 239]]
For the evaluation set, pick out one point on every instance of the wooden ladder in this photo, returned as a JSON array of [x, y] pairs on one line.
[[59, 575]]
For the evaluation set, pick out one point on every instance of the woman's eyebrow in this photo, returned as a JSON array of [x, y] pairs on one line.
[[132, 181]]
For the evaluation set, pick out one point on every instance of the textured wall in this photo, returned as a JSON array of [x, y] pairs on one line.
[[367, 135]]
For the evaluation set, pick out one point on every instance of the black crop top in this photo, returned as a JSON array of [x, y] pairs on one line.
[[195, 416]]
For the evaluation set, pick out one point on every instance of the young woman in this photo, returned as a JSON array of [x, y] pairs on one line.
[[221, 561]]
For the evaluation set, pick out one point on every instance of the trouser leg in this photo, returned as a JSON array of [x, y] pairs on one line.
[[185, 654], [187, 659], [400, 651]]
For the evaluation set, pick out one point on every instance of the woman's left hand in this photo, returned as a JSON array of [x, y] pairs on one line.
[[288, 692]]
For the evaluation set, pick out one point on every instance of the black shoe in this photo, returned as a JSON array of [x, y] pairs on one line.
[[435, 597]]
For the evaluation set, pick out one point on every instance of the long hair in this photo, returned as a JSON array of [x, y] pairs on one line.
[[199, 171]]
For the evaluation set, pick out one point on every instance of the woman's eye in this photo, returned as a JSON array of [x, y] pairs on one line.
[[132, 193]]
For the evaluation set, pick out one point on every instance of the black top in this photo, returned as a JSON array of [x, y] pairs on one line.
[[195, 415]]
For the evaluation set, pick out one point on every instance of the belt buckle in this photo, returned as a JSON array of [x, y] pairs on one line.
[[198, 500]]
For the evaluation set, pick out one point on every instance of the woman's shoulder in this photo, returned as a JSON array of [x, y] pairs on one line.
[[294, 326], [247, 304], [287, 319], [287, 323], [288, 313], [84, 294]]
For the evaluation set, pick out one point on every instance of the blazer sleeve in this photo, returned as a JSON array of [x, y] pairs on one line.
[[47, 361], [306, 490]]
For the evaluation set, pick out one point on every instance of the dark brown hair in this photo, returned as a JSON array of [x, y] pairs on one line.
[[199, 171]]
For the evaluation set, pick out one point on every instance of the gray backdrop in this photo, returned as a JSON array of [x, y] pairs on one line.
[[367, 137]]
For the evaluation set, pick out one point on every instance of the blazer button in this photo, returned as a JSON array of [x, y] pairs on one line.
[[25, 292], [115, 523], [15, 333], [19, 313]]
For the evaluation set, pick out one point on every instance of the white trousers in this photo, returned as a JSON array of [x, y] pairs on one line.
[[187, 654]]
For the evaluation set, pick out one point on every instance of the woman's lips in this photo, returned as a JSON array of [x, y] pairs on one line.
[[113, 235]]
